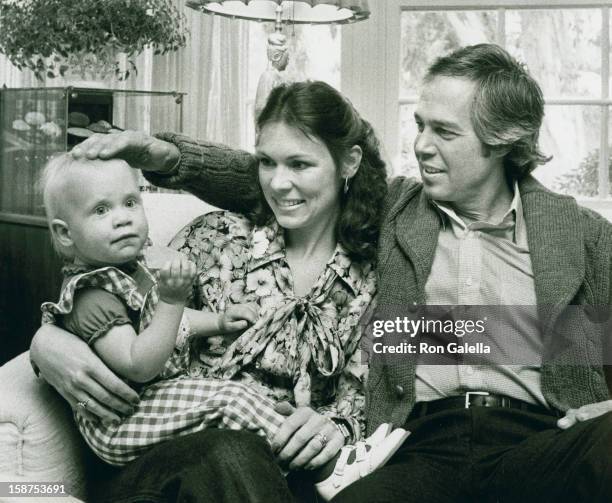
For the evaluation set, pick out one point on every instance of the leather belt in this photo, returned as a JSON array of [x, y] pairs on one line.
[[478, 399]]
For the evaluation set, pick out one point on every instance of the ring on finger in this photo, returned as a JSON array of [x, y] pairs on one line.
[[322, 438], [83, 403]]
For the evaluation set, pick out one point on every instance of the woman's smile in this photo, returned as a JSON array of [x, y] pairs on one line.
[[288, 204], [299, 178]]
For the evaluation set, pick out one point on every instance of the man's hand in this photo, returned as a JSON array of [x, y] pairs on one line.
[[590, 411], [176, 280], [299, 441], [69, 365], [237, 317], [140, 150]]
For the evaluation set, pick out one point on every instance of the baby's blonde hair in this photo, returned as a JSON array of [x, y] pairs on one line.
[[55, 184]]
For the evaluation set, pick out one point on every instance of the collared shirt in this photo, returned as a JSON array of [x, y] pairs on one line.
[[301, 349], [487, 264]]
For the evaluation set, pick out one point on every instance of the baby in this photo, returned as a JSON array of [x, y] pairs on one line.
[[97, 223], [139, 325]]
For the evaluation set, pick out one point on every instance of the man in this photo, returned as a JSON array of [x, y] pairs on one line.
[[478, 230]]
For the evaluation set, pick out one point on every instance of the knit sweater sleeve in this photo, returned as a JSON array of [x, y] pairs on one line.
[[217, 174]]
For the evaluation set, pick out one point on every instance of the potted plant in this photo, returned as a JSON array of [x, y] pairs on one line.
[[53, 37]]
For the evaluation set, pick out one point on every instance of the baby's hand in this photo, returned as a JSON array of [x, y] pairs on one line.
[[237, 318], [175, 280]]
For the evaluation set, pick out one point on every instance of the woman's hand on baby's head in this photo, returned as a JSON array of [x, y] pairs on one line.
[[176, 280], [237, 317], [140, 150]]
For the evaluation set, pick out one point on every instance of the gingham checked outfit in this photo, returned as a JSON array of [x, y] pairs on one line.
[[175, 403]]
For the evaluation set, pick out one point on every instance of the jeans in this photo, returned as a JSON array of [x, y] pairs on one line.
[[213, 465], [493, 455]]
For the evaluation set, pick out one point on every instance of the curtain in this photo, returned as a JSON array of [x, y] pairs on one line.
[[212, 70], [10, 76]]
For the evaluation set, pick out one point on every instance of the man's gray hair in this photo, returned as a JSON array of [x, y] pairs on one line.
[[508, 106]]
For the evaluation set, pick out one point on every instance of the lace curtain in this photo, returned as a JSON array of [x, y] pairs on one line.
[[212, 70]]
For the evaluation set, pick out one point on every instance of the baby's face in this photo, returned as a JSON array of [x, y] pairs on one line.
[[106, 218]]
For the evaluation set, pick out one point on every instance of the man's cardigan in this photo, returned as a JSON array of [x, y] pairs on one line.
[[571, 252], [571, 255]]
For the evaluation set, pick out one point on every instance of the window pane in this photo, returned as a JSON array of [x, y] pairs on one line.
[[407, 163], [561, 48], [427, 35], [586, 176], [314, 53], [571, 135]]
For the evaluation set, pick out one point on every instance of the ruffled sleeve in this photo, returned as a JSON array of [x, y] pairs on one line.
[[94, 313]]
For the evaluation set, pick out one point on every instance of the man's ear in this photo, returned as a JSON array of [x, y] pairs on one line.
[[61, 232], [351, 162]]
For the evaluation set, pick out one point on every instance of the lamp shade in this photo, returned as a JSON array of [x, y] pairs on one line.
[[294, 11]]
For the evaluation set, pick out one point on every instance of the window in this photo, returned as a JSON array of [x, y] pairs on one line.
[[314, 53], [565, 47]]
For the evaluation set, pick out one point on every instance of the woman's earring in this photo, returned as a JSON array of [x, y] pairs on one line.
[[346, 185]]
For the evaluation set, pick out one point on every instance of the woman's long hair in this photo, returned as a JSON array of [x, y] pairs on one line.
[[319, 111]]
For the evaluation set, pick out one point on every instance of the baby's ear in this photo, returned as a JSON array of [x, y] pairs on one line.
[[61, 232]]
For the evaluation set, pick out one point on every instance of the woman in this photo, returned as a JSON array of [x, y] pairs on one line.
[[305, 256]]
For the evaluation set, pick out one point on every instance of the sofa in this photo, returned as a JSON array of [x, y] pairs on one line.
[[38, 439]]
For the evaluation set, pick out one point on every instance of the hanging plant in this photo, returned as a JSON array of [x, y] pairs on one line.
[[52, 36]]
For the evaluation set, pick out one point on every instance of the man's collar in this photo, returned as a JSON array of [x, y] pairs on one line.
[[520, 229], [553, 226], [513, 218]]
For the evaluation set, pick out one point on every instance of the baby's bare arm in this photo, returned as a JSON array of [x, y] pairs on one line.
[[234, 319], [140, 357]]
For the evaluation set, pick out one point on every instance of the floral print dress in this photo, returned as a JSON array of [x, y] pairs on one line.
[[304, 350]]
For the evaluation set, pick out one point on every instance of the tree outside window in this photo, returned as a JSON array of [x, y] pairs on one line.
[[563, 49]]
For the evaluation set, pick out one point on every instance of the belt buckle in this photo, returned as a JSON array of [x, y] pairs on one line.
[[469, 393]]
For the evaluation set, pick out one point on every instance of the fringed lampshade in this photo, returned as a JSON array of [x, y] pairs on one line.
[[283, 12], [294, 11]]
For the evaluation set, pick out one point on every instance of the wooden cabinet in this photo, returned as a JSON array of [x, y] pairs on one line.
[[36, 124]]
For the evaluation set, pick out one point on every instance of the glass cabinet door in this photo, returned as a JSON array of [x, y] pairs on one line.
[[33, 129], [38, 123]]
